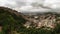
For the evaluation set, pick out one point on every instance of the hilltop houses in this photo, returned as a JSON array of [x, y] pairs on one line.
[[41, 21]]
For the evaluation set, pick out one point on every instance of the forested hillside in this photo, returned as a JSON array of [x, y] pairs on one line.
[[10, 20]]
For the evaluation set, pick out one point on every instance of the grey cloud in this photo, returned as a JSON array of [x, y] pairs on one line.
[[39, 5], [21, 3], [33, 5]]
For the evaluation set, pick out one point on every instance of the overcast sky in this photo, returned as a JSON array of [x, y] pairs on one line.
[[32, 5]]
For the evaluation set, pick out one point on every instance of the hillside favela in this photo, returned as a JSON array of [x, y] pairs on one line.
[[29, 16], [13, 22]]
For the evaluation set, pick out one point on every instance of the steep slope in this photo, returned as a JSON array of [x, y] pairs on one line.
[[10, 19]]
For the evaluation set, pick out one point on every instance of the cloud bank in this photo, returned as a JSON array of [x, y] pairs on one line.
[[32, 5]]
